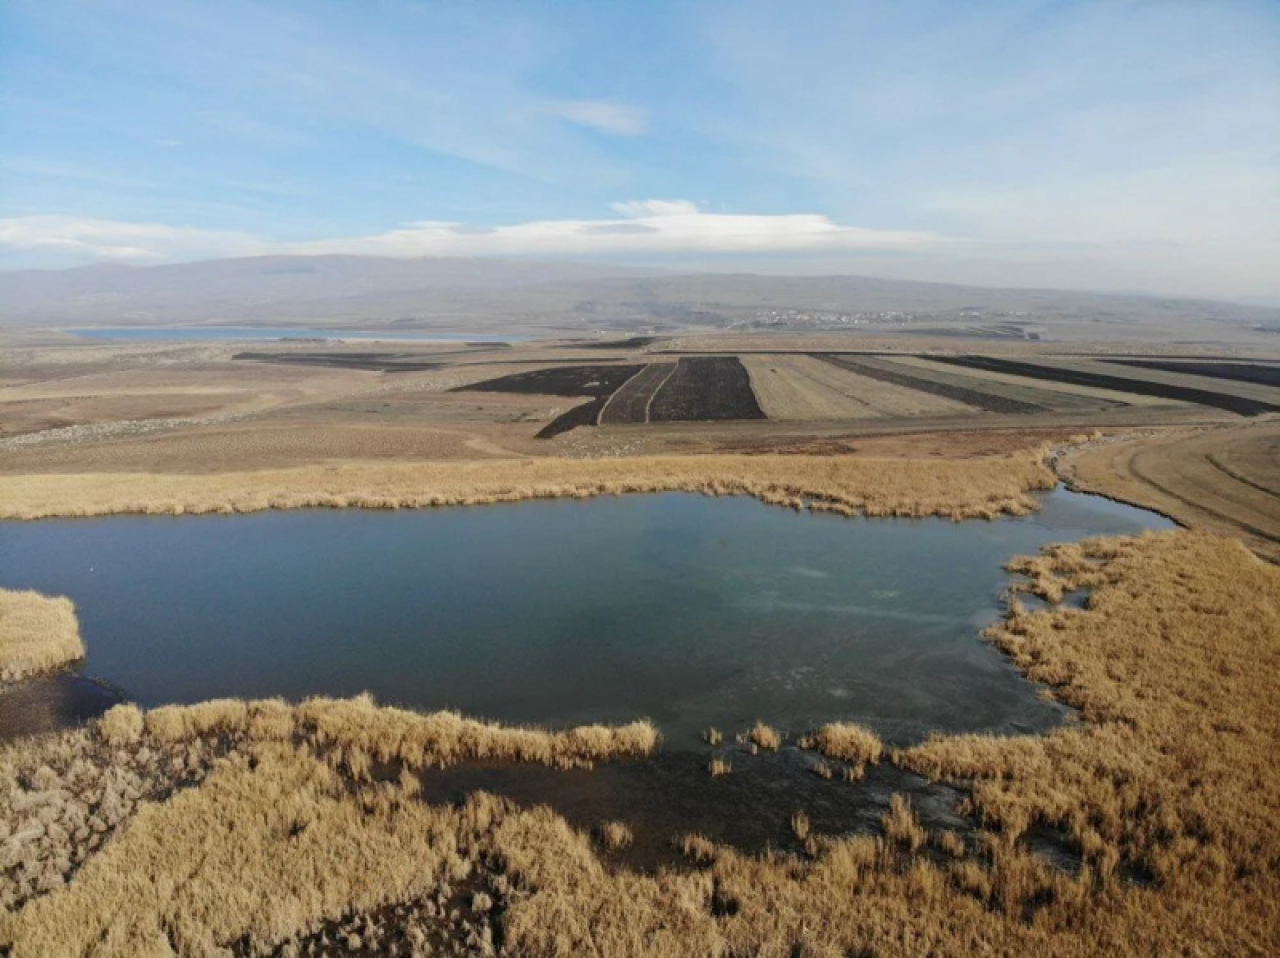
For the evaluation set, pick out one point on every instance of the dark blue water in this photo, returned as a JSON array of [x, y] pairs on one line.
[[232, 333], [690, 610]]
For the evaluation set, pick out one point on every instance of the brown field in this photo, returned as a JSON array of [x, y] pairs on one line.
[[1173, 811], [1226, 479]]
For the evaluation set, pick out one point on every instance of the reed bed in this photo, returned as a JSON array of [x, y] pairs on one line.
[[359, 733], [848, 742], [1167, 789], [37, 634], [848, 485]]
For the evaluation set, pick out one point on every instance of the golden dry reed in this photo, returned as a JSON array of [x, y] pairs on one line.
[[849, 485], [762, 736], [362, 733], [1167, 789], [37, 633], [615, 836], [849, 742]]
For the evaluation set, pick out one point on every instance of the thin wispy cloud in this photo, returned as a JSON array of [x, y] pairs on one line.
[[618, 119]]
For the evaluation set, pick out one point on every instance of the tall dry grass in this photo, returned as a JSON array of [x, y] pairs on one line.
[[1168, 789], [37, 634], [851, 743], [360, 734], [849, 485]]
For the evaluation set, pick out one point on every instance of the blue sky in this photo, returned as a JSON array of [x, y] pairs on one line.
[[1111, 145]]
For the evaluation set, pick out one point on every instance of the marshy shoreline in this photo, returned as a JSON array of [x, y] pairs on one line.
[[845, 485], [116, 834]]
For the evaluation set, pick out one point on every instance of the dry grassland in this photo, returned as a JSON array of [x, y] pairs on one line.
[[1225, 479], [804, 388], [1167, 790], [37, 633], [846, 485]]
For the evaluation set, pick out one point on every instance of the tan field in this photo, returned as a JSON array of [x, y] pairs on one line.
[[804, 388]]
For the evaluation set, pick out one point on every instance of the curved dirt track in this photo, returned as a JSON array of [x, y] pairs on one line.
[[1226, 479]]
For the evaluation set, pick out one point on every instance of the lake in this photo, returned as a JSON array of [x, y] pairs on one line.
[[692, 611]]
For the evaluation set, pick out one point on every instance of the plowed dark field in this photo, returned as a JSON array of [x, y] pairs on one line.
[[704, 388], [630, 404], [597, 382], [1204, 397], [970, 397], [1238, 372], [594, 381]]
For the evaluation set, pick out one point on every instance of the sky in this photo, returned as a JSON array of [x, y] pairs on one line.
[[1114, 145]]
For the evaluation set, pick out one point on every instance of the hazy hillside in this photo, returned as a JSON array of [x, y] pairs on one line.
[[515, 295]]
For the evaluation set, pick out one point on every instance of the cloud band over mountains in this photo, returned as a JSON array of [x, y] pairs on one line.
[[640, 228]]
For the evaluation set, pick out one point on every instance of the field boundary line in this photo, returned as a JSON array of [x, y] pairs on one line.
[[600, 413], [654, 395], [1238, 477], [1142, 476]]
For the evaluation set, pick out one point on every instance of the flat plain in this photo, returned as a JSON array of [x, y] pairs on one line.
[[1168, 813]]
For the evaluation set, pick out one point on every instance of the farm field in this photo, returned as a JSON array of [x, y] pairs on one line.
[[1261, 393], [178, 407], [884, 371], [1055, 395], [1263, 375], [1037, 398], [630, 404], [705, 388], [799, 387], [1244, 400]]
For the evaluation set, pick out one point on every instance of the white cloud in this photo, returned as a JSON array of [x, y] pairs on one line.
[[644, 228], [618, 119], [69, 239], [633, 209]]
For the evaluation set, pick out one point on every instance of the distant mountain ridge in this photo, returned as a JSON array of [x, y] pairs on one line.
[[513, 294]]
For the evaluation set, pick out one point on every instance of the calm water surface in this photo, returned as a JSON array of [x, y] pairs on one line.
[[690, 610]]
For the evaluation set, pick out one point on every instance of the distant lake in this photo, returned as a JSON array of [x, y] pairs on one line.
[[235, 333], [690, 610]]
